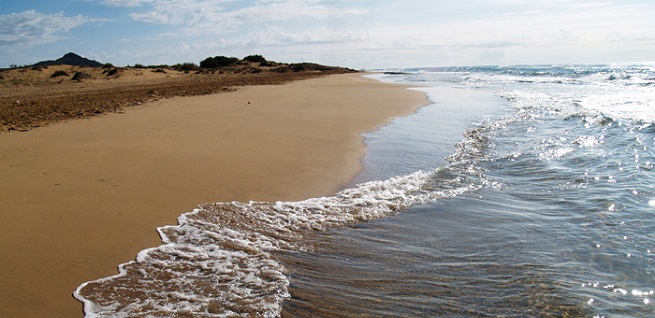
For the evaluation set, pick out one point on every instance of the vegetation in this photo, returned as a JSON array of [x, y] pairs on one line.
[[59, 73], [209, 65], [218, 61], [255, 59], [297, 67], [224, 61], [160, 66], [112, 71], [79, 76], [186, 67]]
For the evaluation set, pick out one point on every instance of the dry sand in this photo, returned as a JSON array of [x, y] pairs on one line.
[[80, 197]]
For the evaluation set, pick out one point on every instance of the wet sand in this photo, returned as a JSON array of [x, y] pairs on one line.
[[80, 197]]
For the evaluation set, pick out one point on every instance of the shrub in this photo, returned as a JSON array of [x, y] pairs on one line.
[[108, 65], [297, 67], [209, 62], [188, 66], [59, 73], [255, 59], [226, 61], [218, 61], [280, 69], [79, 76]]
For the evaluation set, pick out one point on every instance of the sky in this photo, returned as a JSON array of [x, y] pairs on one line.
[[360, 34]]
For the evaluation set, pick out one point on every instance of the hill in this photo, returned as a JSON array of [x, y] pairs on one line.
[[70, 59]]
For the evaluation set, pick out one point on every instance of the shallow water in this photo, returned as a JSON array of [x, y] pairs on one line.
[[563, 225], [523, 191]]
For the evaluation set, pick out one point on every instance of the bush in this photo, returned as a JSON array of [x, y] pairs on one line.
[[280, 69], [226, 61], [59, 73], [209, 62], [297, 67], [112, 71], [186, 67], [218, 61], [79, 76], [255, 59]]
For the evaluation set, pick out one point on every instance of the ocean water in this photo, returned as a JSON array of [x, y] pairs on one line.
[[521, 191]]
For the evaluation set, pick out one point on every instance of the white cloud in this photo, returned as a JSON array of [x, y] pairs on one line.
[[32, 27], [211, 16], [126, 3], [317, 35], [180, 12]]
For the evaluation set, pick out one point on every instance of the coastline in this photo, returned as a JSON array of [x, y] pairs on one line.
[[83, 196]]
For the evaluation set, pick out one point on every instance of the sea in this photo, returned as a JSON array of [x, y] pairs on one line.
[[519, 191]]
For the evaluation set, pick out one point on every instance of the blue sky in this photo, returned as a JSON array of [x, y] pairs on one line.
[[352, 33]]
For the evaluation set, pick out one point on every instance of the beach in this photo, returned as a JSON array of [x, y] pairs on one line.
[[82, 196]]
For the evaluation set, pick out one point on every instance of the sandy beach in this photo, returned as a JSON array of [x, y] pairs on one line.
[[79, 197]]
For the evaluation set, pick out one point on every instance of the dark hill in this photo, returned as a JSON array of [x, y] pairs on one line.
[[71, 59]]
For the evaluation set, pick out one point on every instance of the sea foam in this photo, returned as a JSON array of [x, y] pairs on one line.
[[220, 259]]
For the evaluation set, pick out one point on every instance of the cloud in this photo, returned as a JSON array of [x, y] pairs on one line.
[[273, 36], [181, 13], [227, 16], [126, 3], [32, 27]]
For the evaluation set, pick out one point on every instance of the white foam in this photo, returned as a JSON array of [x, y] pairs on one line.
[[218, 260]]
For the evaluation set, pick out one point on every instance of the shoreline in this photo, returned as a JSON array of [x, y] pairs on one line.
[[83, 196]]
